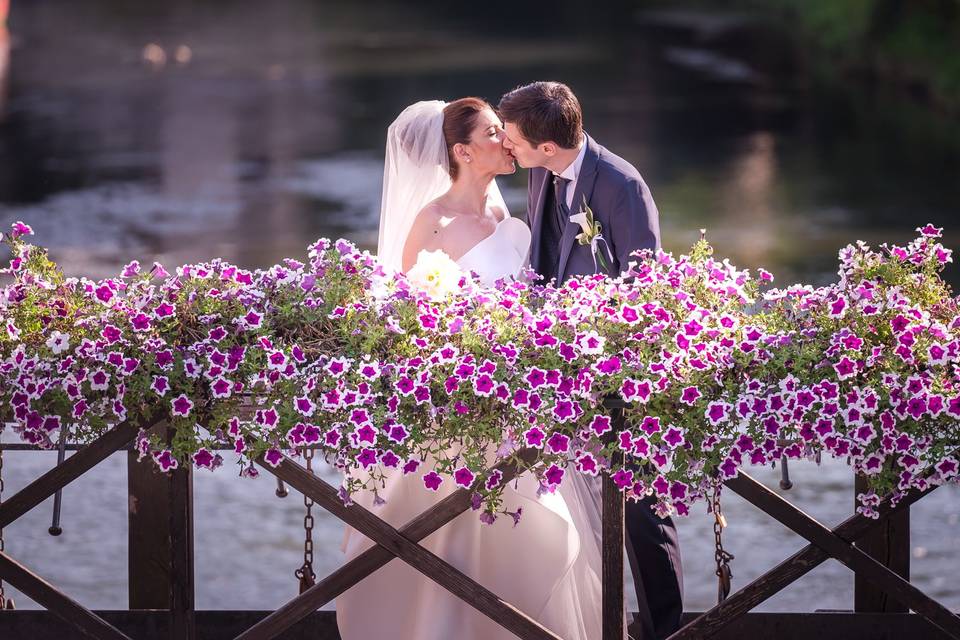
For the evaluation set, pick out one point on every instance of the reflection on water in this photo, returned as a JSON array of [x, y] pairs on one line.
[[180, 131], [190, 132]]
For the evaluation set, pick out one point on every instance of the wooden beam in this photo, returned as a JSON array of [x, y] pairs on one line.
[[888, 544], [148, 534], [369, 561], [712, 621], [58, 603], [182, 593], [802, 524], [62, 475], [435, 568], [612, 609]]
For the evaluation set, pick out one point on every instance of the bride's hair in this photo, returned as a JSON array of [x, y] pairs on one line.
[[459, 118]]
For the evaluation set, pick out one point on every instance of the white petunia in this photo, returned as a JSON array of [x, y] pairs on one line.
[[58, 342], [435, 273]]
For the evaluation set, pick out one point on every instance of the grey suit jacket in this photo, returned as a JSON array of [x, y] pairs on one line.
[[620, 201]]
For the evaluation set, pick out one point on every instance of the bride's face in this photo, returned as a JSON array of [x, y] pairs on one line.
[[486, 151]]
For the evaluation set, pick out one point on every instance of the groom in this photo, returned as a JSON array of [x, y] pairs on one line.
[[544, 131]]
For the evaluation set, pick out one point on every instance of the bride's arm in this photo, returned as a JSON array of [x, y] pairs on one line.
[[424, 234]]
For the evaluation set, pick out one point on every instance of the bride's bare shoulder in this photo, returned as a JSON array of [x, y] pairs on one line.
[[425, 232]]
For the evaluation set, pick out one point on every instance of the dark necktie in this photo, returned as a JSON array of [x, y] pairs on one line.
[[560, 196], [556, 214]]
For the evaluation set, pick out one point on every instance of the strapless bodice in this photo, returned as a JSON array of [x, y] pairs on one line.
[[501, 254]]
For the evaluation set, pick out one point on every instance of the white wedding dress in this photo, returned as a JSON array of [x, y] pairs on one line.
[[548, 565]]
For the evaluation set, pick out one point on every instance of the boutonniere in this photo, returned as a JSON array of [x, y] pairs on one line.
[[592, 234]]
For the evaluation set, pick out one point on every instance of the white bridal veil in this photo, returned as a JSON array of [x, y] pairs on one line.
[[415, 172]]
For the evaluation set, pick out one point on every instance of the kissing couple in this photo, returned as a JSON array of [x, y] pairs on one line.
[[440, 194]]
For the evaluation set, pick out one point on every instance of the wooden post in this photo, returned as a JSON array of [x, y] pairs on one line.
[[182, 595], [889, 544], [148, 534], [612, 552]]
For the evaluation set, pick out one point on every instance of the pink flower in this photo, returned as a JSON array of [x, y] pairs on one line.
[[181, 406], [536, 378], [140, 322], [165, 460], [845, 368], [690, 396], [304, 406], [20, 229], [203, 459], [554, 475], [432, 481], [534, 437], [930, 231], [650, 425], [673, 437], [623, 478], [586, 463], [609, 366], [160, 385], [220, 388], [367, 458], [483, 385], [163, 310], [464, 477], [563, 410], [717, 412], [558, 443], [600, 424], [273, 457], [838, 307]]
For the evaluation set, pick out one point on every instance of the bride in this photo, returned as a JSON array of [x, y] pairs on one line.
[[439, 193]]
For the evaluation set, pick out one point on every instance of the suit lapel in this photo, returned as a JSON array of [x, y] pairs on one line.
[[536, 216], [584, 189]]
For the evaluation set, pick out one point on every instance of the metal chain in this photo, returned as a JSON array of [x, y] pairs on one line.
[[5, 603], [722, 556], [305, 573]]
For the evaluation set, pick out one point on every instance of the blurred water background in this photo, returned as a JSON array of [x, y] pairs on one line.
[[180, 131]]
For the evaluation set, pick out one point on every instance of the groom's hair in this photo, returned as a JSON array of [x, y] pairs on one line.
[[544, 112]]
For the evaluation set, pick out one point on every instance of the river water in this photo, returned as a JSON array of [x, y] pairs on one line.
[[180, 131]]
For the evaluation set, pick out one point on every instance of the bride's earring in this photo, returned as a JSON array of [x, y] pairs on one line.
[[467, 159]]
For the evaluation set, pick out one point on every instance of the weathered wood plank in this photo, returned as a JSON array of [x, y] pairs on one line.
[[888, 544], [716, 619], [802, 524], [56, 602], [369, 561], [435, 568], [62, 475], [182, 595], [612, 608], [148, 534]]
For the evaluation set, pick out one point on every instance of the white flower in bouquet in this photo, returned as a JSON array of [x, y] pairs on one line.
[[435, 273]]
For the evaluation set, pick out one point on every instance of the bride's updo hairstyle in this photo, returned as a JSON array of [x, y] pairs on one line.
[[459, 119]]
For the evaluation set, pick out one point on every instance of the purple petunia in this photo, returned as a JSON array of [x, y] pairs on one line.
[[181, 406], [432, 480]]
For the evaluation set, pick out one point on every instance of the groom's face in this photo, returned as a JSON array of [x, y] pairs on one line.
[[526, 154]]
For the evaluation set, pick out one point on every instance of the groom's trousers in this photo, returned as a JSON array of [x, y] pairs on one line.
[[654, 554]]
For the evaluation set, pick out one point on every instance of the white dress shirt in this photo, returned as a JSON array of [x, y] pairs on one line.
[[572, 172]]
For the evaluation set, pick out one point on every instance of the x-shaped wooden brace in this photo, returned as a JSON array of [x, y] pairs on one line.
[[392, 543], [824, 543], [35, 493]]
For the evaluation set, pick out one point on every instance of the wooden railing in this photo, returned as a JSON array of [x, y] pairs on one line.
[[162, 602]]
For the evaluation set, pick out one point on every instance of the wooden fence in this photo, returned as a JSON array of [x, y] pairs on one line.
[[162, 589]]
